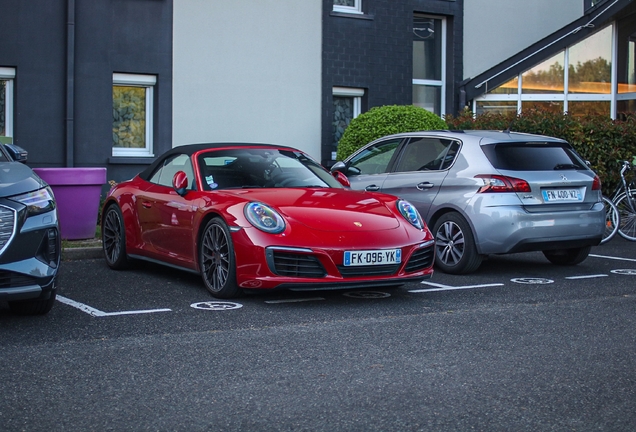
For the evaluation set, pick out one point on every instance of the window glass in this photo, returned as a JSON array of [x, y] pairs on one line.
[[427, 48], [7, 76], [552, 106], [261, 168], [374, 159], [132, 114], [129, 117], [627, 82], [582, 108], [347, 6], [425, 154], [590, 64], [496, 107], [428, 97], [546, 77], [510, 87], [164, 174], [532, 157]]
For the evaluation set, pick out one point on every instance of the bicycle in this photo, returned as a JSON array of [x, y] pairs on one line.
[[624, 199], [612, 219]]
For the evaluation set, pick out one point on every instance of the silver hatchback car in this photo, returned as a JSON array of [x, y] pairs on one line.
[[488, 192]]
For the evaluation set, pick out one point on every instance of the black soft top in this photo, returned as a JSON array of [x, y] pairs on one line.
[[190, 149]]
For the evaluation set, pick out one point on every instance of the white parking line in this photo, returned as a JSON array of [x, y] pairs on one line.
[[587, 276], [97, 313], [613, 258], [294, 300], [440, 287]]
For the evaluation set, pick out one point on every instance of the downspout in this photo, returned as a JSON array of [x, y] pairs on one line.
[[70, 82]]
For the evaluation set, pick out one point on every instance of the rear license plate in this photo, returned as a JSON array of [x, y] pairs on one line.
[[372, 257], [560, 195]]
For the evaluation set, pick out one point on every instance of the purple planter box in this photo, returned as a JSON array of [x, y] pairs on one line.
[[77, 193]]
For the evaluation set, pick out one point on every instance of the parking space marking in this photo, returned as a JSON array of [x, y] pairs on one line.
[[97, 313], [613, 258], [293, 300], [440, 287], [587, 276]]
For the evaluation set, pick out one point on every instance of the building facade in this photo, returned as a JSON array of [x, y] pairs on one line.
[[115, 83]]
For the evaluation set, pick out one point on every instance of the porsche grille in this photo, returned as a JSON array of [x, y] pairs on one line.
[[7, 222], [420, 260], [377, 270], [297, 265]]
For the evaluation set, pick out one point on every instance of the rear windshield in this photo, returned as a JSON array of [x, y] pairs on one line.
[[526, 156]]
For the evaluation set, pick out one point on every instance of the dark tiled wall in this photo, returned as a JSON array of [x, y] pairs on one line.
[[374, 52]]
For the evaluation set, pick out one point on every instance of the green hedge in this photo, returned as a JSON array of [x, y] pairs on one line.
[[604, 142], [385, 120]]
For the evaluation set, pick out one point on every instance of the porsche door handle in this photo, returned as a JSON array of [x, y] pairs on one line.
[[424, 185], [372, 188], [146, 204]]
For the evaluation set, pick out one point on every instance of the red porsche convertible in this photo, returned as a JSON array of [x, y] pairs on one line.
[[258, 216]]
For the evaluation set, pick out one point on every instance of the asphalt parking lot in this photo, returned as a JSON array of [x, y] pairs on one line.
[[520, 345]]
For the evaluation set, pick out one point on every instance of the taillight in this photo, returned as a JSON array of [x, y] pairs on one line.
[[498, 183], [596, 185]]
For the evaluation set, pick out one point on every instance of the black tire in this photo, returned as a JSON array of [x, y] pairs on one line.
[[114, 238], [32, 307], [567, 257], [217, 262], [455, 249]]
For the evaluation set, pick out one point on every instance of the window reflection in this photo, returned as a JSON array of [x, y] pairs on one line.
[[496, 107], [510, 87], [546, 77], [583, 108], [590, 65]]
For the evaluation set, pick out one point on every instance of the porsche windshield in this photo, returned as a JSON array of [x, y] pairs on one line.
[[261, 167]]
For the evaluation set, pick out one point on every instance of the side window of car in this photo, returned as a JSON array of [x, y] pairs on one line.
[[427, 154], [164, 174], [374, 159]]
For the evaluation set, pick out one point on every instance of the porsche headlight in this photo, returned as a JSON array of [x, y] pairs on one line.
[[264, 218], [410, 213], [40, 201]]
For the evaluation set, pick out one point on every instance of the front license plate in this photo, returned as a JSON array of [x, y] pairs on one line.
[[372, 257], [556, 195]]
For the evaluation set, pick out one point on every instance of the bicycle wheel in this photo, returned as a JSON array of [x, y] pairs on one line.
[[611, 219], [626, 204]]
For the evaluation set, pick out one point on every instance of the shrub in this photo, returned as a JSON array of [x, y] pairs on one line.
[[604, 142], [385, 120]]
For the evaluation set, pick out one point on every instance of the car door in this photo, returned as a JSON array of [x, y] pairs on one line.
[[368, 168], [167, 217], [420, 170]]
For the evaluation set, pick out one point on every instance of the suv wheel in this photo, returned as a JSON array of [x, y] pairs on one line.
[[455, 250]]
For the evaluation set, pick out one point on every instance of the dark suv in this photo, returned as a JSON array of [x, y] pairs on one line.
[[29, 239]]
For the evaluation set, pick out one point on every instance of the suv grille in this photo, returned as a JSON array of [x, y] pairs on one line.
[[7, 222], [296, 265], [10, 279]]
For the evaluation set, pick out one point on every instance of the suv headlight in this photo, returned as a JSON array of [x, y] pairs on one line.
[[40, 201], [264, 218], [410, 213]]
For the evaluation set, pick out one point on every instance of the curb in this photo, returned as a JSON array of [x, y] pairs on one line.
[[82, 253]]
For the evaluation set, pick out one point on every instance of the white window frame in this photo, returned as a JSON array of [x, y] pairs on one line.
[[355, 9], [148, 82], [8, 74], [438, 83]]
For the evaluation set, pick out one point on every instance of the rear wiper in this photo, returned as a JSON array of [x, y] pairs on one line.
[[566, 166]]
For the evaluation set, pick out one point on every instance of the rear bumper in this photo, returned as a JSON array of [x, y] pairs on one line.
[[509, 229]]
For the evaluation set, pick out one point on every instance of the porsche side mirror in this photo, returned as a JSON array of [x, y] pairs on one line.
[[180, 182], [342, 179]]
